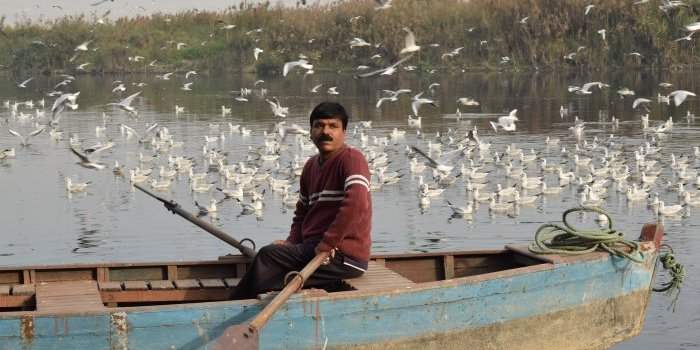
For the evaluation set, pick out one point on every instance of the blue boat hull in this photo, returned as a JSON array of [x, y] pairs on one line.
[[582, 303]]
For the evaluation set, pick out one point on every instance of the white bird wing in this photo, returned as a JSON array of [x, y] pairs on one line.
[[680, 95], [131, 130], [381, 100], [410, 40], [26, 81], [639, 101], [37, 131], [127, 101], [150, 128], [290, 65], [513, 113], [16, 134]]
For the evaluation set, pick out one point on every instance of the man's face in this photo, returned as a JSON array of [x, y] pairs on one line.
[[328, 134]]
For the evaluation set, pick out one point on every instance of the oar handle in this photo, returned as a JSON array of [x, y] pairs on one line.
[[294, 285], [247, 336], [172, 206]]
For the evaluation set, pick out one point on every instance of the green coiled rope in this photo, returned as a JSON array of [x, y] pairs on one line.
[[677, 272], [569, 240]]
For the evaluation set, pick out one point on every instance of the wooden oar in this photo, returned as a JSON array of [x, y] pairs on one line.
[[247, 336], [172, 206]]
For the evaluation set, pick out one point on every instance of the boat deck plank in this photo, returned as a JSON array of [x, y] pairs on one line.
[[68, 296], [379, 276], [4, 290], [23, 289], [161, 285]]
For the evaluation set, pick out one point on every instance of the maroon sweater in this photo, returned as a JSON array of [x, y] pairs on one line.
[[334, 205]]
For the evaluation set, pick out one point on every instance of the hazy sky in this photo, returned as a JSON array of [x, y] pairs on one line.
[[16, 10]]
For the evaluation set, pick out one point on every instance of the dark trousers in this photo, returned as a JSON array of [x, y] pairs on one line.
[[274, 261]]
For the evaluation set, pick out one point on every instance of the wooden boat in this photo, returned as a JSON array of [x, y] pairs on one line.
[[494, 299]]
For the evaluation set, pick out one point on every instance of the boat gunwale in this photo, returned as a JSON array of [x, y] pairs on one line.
[[315, 295]]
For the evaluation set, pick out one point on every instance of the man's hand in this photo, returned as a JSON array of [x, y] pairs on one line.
[[327, 261]]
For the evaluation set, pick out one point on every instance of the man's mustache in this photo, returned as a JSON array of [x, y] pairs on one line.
[[323, 138]]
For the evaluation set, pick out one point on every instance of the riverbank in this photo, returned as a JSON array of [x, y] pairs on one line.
[[453, 34]]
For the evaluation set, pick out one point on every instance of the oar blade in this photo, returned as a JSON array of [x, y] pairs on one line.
[[239, 337]]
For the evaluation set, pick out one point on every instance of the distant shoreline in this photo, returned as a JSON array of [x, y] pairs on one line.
[[454, 35]]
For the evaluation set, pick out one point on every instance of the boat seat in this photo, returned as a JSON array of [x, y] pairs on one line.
[[68, 296], [16, 296], [377, 277]]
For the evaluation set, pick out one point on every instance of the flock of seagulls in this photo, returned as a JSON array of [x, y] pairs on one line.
[[462, 167]]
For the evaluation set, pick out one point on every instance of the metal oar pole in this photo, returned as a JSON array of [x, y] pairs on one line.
[[247, 336], [172, 206]]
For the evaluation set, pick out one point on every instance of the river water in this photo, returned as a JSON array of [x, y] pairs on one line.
[[44, 224]]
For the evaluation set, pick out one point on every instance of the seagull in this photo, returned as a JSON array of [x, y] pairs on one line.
[[125, 104], [602, 33], [679, 96], [60, 104], [383, 4], [410, 45], [256, 52], [186, 87], [23, 84], [588, 9], [190, 73], [392, 96], [76, 187], [445, 169], [25, 139], [639, 101], [461, 211], [315, 88], [83, 46], [132, 131], [85, 161], [277, 109], [507, 122], [382, 70], [687, 37], [293, 64], [358, 42], [419, 101], [333, 90], [467, 101]]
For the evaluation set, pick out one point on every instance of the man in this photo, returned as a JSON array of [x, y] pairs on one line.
[[333, 214]]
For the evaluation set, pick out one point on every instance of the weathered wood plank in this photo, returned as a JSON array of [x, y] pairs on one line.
[[448, 264], [164, 296], [23, 289], [4, 290], [187, 284], [161, 285], [135, 285], [379, 277], [110, 286], [68, 296], [212, 283], [231, 282]]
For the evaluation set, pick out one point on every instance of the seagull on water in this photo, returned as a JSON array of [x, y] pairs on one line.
[[506, 122]]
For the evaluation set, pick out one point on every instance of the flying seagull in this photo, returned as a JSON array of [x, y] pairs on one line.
[[410, 42], [125, 104], [25, 139], [85, 162], [382, 70], [293, 64]]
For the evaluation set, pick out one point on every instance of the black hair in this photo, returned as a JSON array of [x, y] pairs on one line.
[[328, 110]]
